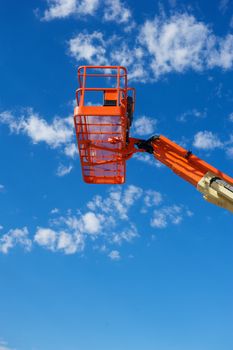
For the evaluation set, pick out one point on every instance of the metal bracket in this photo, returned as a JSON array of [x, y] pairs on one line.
[[146, 145]]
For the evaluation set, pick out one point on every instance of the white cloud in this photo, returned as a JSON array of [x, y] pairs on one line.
[[127, 55], [174, 44], [54, 211], [70, 244], [105, 223], [147, 199], [162, 217], [58, 9], [144, 126], [71, 150], [94, 48], [190, 114], [54, 134], [59, 241], [63, 170], [115, 10], [45, 237], [89, 47], [158, 47], [57, 134], [148, 159], [38, 129], [221, 52], [152, 198], [123, 53], [114, 255], [126, 235], [87, 7], [206, 140], [181, 42], [91, 223], [159, 220], [68, 234], [15, 237], [118, 202], [131, 194]]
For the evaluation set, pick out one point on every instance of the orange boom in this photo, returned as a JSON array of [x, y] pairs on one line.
[[102, 119]]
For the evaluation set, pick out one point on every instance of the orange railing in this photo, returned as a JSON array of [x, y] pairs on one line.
[[102, 127]]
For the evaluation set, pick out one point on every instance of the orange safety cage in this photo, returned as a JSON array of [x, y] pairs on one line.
[[102, 123]]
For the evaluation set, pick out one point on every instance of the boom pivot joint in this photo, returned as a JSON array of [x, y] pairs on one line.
[[146, 145]]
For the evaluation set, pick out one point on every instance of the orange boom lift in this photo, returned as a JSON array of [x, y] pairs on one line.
[[103, 118]]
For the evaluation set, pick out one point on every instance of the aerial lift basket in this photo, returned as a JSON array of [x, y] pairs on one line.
[[102, 128], [102, 120]]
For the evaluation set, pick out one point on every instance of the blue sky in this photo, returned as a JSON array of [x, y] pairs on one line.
[[144, 265]]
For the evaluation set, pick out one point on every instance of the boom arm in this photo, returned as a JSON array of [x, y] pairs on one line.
[[215, 186], [104, 144]]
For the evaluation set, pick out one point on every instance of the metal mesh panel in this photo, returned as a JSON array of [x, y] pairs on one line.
[[102, 123], [100, 140]]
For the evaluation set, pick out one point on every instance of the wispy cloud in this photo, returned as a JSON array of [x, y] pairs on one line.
[[54, 211], [58, 134], [152, 198], [60, 9], [114, 255], [15, 237], [172, 214], [180, 42], [164, 45], [193, 113], [116, 10], [207, 140], [148, 159], [63, 170], [59, 240], [111, 10], [71, 150], [144, 126], [106, 221], [91, 48]]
